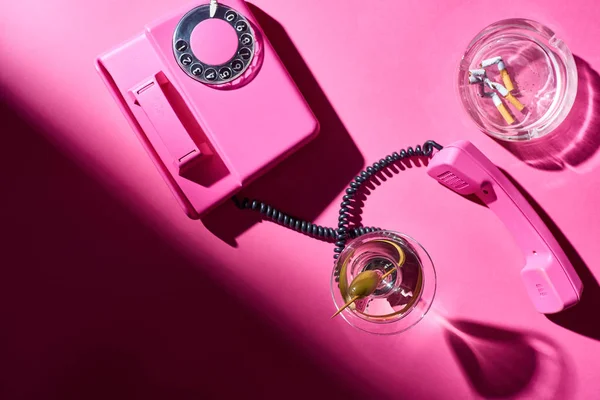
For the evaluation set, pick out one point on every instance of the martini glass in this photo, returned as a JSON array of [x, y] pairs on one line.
[[401, 299]]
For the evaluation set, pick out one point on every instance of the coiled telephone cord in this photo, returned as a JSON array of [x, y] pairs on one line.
[[343, 232]]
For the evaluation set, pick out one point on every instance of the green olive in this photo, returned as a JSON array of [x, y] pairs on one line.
[[364, 284]]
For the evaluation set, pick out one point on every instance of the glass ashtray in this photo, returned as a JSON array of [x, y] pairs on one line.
[[517, 80], [402, 297]]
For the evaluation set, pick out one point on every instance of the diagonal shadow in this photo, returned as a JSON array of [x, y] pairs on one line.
[[96, 305]]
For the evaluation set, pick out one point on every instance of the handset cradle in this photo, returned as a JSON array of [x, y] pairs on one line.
[[150, 97]]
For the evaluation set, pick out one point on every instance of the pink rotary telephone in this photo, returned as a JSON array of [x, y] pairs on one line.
[[209, 99]]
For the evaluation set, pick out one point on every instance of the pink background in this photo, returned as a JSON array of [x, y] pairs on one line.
[[107, 290]]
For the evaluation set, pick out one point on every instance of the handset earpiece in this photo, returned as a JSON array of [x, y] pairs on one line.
[[550, 279]]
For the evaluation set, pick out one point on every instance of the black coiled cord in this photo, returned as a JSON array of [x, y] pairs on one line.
[[317, 231], [343, 231], [281, 218]]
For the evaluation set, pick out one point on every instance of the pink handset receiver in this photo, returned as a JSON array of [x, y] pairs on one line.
[[209, 99], [549, 278]]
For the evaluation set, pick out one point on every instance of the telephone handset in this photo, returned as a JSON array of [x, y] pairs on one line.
[[209, 99], [550, 280]]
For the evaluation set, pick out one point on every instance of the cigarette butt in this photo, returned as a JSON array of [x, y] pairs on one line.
[[490, 61], [515, 102], [474, 79], [477, 72], [507, 81], [502, 108], [489, 83], [501, 89], [507, 117], [506, 94]]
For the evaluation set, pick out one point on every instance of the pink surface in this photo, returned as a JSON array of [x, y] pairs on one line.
[[124, 295], [209, 49]]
